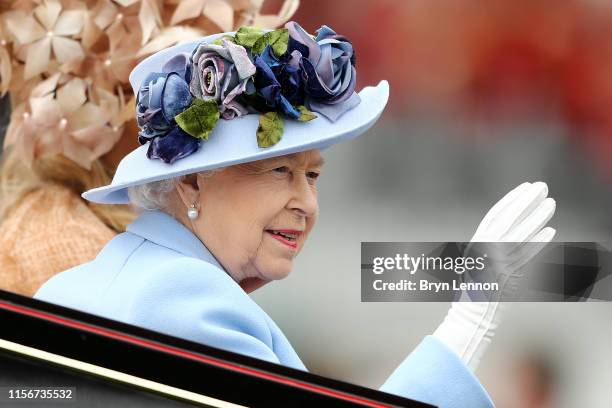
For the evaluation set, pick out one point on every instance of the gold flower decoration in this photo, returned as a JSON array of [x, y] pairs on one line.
[[67, 121], [5, 61], [47, 29]]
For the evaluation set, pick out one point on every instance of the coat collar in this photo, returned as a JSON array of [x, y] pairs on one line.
[[163, 229]]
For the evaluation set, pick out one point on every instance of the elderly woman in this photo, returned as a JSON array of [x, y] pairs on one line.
[[228, 199]]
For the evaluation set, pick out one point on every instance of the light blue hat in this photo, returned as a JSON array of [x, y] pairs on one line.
[[231, 140]]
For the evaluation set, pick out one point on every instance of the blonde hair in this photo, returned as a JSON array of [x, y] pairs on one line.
[[17, 179]]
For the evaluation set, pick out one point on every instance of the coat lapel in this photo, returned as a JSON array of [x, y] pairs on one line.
[[161, 228]]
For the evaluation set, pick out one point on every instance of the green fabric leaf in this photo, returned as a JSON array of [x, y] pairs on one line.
[[305, 114], [260, 45], [270, 129], [199, 119], [219, 41], [247, 36], [278, 39]]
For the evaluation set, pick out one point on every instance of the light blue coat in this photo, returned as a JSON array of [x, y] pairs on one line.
[[160, 276]]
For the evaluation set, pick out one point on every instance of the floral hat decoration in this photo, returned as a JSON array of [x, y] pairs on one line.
[[242, 96], [284, 74]]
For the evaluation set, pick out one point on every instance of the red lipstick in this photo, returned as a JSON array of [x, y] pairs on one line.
[[286, 236]]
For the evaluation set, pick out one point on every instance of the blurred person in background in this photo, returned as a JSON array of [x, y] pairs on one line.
[[65, 64], [536, 380], [530, 381]]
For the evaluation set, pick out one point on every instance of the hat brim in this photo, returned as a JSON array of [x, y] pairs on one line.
[[234, 141]]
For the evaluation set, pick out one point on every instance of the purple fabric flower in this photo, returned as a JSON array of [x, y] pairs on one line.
[[279, 82], [161, 97], [328, 69], [175, 145], [223, 73]]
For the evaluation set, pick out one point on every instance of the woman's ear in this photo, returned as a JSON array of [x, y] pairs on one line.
[[188, 189]]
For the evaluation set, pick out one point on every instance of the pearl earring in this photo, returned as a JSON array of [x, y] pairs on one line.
[[192, 212]]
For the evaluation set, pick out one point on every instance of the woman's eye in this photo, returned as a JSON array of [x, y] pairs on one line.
[[283, 169], [312, 175]]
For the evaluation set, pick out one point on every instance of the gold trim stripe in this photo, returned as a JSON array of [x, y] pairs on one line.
[[116, 375]]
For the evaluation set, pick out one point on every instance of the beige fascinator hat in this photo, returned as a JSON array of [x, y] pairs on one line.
[[66, 64]]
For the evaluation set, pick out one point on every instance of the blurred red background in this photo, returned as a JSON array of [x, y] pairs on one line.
[[485, 60]]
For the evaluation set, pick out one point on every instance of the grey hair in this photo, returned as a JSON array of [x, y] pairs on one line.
[[156, 195], [151, 196]]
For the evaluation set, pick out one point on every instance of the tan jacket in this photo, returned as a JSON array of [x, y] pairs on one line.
[[51, 230]]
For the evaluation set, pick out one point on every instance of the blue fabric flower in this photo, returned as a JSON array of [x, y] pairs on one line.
[[175, 145], [279, 82], [161, 97], [328, 69]]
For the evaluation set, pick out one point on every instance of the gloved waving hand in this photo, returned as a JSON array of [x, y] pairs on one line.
[[519, 218]]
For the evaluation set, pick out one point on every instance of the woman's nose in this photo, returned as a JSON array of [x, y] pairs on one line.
[[304, 198]]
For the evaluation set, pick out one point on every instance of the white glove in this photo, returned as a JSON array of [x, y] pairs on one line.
[[519, 217]]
